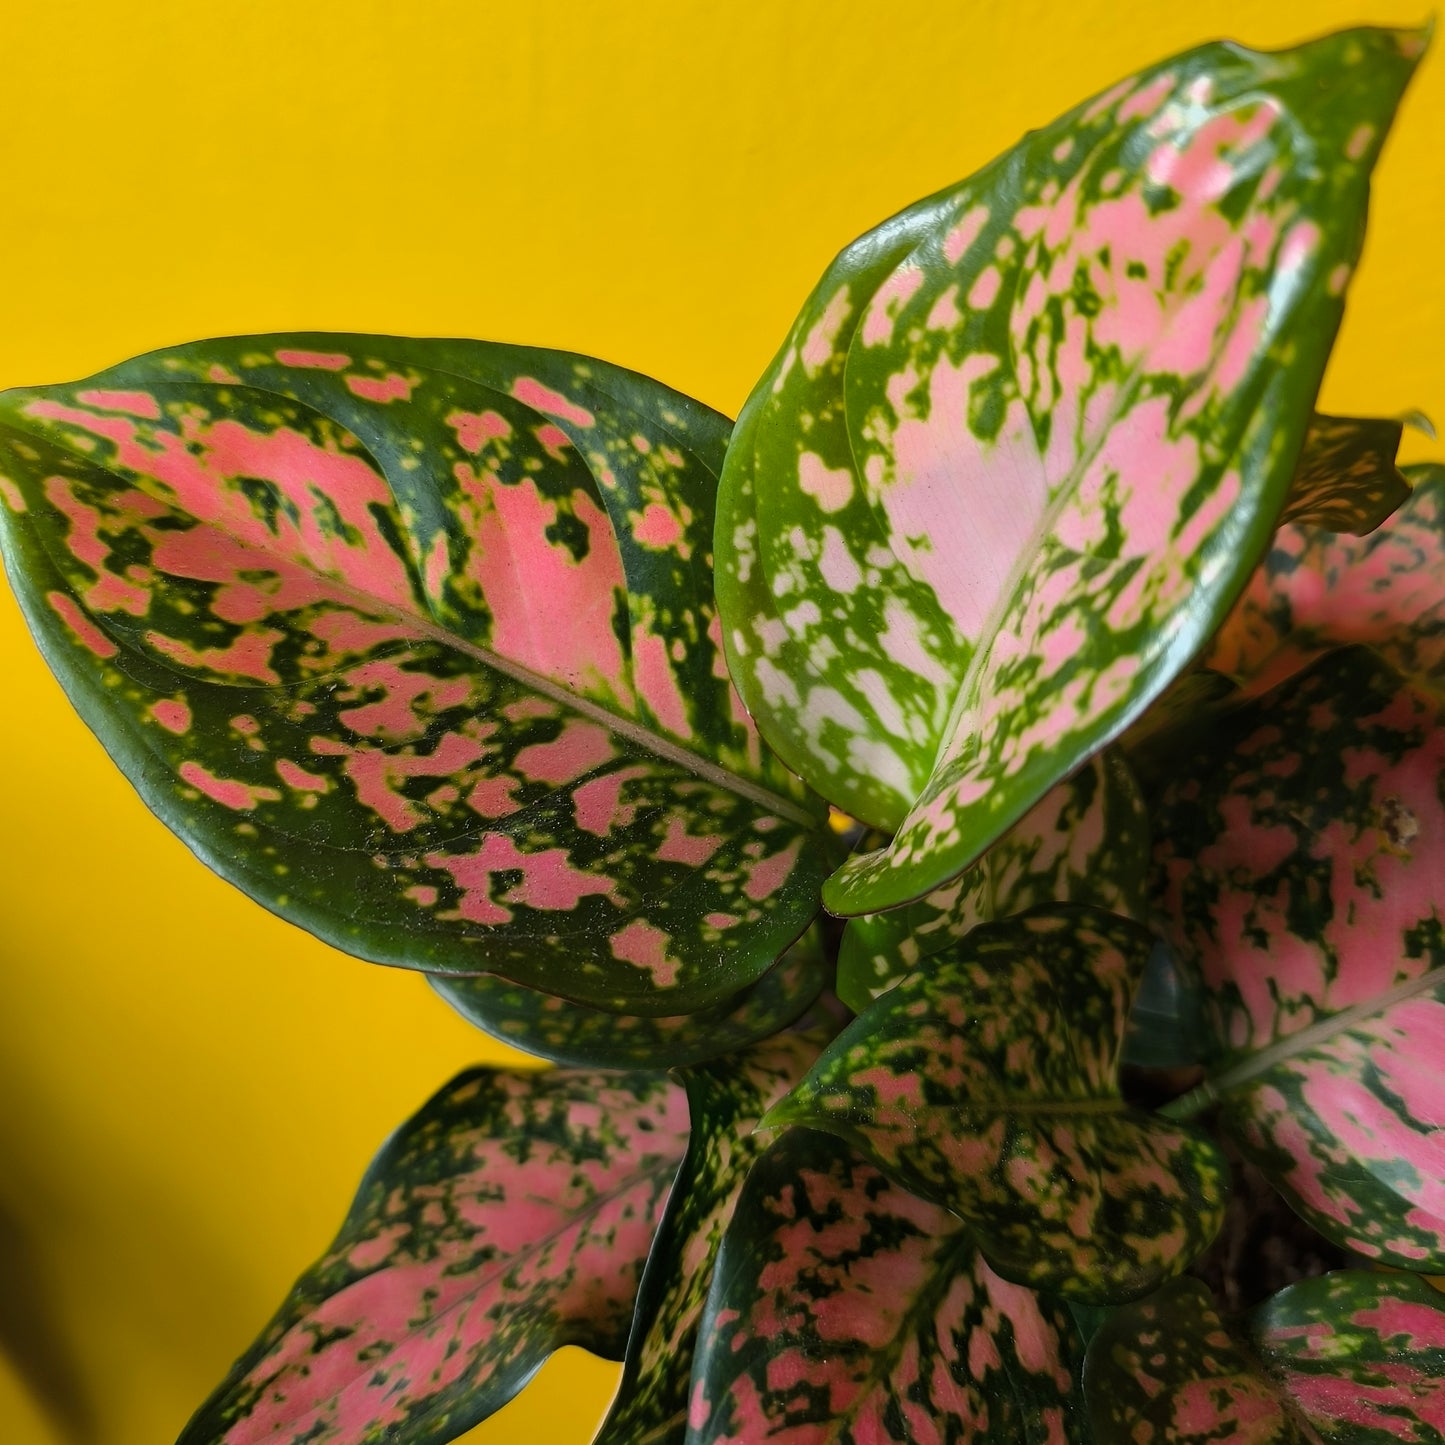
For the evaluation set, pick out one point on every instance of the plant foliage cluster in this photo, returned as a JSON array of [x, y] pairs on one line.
[[1029, 621]]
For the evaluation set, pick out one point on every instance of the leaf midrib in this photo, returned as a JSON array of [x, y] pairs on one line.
[[1291, 1046], [634, 732]]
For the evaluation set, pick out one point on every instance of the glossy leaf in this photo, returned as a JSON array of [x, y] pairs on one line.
[[569, 1033], [725, 1101], [1164, 1026], [1165, 1371], [1086, 841], [1315, 591], [1074, 409], [845, 1311], [1346, 479], [1346, 1358], [987, 1083], [414, 641], [509, 1217], [819, 715], [1301, 856], [1361, 1355]]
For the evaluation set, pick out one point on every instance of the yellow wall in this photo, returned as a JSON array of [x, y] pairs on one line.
[[188, 1087]]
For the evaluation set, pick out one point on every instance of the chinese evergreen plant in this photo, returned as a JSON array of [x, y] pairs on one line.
[[1028, 556]]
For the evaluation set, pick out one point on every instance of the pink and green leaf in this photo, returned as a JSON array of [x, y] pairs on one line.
[[1300, 853], [510, 1216], [1085, 841], [570, 1033], [846, 1311], [1073, 411], [987, 1083], [1346, 479], [1165, 1371], [1347, 1358], [1361, 1356], [415, 642], [822, 718], [726, 1100], [1316, 590]]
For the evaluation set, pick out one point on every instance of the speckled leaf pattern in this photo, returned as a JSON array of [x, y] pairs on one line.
[[1166, 1371], [1086, 841], [1346, 479], [570, 1033], [1316, 590], [987, 1083], [822, 718], [1073, 411], [846, 1311], [725, 1101], [1300, 855], [1362, 1356], [1347, 1358], [415, 642], [509, 1217]]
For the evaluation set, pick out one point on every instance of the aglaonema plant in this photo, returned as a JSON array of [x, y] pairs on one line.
[[1030, 571]]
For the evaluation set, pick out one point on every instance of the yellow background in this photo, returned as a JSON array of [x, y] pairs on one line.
[[189, 1088]]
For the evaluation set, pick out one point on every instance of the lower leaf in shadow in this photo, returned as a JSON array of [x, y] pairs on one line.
[[509, 1217], [725, 1101], [566, 1032], [1347, 1358], [988, 1083], [844, 1309], [1346, 479]]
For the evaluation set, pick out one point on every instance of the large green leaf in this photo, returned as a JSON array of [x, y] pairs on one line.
[[415, 642], [570, 1033], [1301, 869], [1348, 1358], [987, 1082], [1316, 590], [1072, 411], [845, 1311], [725, 1101], [509, 1217], [1085, 841]]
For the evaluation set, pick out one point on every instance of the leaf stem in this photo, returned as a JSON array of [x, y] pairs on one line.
[[1197, 1101]]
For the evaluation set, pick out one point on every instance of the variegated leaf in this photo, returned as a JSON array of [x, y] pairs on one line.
[[1346, 479], [570, 1033], [823, 718], [845, 1311], [1362, 1356], [725, 1101], [1301, 869], [1165, 1371], [1346, 1358], [415, 642], [987, 1083], [509, 1217], [1086, 841], [1316, 590], [1074, 410]]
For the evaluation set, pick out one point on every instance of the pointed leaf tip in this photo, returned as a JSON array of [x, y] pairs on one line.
[[414, 642], [1017, 456]]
